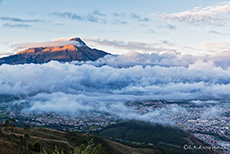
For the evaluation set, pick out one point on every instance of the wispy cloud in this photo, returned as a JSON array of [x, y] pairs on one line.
[[69, 15], [55, 43], [172, 27], [97, 12], [139, 18], [218, 33], [20, 19], [3, 53], [214, 32], [132, 45], [16, 25], [116, 21], [215, 14], [168, 26], [216, 46], [150, 31], [96, 16], [119, 14]]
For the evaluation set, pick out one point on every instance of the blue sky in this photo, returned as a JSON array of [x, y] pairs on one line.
[[188, 27]]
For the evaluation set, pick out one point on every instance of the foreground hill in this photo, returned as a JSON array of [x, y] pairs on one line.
[[76, 50], [125, 138], [15, 140], [165, 139]]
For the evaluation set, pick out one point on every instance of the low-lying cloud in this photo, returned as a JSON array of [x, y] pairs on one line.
[[107, 84], [149, 81], [76, 104], [165, 59]]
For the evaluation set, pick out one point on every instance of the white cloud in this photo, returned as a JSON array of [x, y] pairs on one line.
[[170, 59], [215, 14], [55, 43], [212, 112], [105, 85], [136, 76], [74, 105], [161, 46], [216, 46]]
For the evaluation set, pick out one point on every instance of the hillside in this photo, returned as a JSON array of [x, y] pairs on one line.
[[14, 140], [133, 137], [75, 50], [166, 139]]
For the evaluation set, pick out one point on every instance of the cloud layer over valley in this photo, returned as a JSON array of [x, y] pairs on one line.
[[108, 83], [164, 77]]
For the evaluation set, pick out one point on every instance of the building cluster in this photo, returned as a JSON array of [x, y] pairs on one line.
[[212, 128], [205, 125], [85, 122]]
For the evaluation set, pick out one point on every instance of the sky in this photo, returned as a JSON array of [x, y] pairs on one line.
[[145, 26]]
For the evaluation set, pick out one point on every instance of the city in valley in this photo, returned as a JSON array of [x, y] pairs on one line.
[[208, 120]]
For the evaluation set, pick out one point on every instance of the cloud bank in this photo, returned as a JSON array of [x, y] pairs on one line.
[[135, 76], [75, 105], [107, 84]]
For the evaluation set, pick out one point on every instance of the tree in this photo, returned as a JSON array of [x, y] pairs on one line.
[[44, 151], [1, 125], [57, 150], [9, 126], [27, 127], [27, 136], [91, 148]]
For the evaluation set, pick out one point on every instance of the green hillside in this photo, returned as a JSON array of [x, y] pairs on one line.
[[164, 138], [14, 140], [133, 137]]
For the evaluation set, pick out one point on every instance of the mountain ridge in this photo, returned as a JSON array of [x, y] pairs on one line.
[[76, 50]]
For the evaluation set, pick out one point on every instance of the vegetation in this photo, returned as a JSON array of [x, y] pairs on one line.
[[15, 140], [131, 138], [166, 139], [90, 148]]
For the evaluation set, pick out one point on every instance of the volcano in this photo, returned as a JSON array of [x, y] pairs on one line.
[[76, 50]]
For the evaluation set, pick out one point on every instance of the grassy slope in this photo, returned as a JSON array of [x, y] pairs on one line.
[[165, 139], [7, 147], [147, 133], [12, 142]]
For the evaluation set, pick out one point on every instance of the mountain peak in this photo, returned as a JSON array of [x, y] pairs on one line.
[[76, 50], [78, 39]]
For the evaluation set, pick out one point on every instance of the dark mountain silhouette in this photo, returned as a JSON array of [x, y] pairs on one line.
[[77, 50]]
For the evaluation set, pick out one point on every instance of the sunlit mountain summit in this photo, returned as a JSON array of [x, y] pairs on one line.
[[73, 49]]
